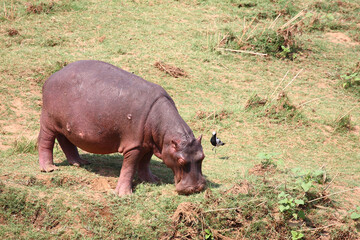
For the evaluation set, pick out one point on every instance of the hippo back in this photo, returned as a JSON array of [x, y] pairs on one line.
[[99, 107]]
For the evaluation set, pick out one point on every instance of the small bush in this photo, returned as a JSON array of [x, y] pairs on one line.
[[279, 43], [351, 81], [343, 124], [279, 109], [282, 110]]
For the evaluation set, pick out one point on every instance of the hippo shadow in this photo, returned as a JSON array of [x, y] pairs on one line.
[[109, 165]]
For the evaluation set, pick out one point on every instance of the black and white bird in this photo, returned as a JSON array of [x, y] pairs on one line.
[[215, 141]]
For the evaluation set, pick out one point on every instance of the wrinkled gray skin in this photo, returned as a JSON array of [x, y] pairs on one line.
[[103, 109]]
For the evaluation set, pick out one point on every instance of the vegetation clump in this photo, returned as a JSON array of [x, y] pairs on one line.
[[24, 145], [218, 116], [351, 81], [343, 123], [279, 109], [282, 110], [255, 101], [281, 43], [12, 32], [171, 70]]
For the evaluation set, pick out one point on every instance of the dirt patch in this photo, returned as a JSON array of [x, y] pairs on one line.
[[44, 179], [260, 170], [187, 213], [4, 147], [191, 215], [340, 38], [104, 212], [355, 130], [241, 188], [100, 184], [171, 70]]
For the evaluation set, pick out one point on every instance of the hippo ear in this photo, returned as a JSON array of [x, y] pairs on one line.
[[181, 161], [199, 138]]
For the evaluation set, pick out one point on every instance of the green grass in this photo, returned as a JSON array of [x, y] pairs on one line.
[[315, 126]]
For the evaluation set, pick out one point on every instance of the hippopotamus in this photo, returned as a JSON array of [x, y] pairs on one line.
[[103, 109]]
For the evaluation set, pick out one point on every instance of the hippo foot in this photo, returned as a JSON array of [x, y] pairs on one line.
[[78, 162], [49, 168], [148, 177], [123, 191]]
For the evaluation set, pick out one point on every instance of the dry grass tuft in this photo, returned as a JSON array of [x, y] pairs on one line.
[[12, 32], [39, 8], [223, 114], [255, 101], [171, 70]]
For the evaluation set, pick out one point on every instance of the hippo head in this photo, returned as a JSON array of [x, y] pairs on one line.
[[185, 158]]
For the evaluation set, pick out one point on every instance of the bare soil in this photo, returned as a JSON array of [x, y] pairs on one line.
[[340, 38]]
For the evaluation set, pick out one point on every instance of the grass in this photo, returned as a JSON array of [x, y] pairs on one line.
[[313, 126]]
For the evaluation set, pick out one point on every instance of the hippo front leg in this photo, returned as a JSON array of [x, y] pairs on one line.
[[127, 172], [144, 172]]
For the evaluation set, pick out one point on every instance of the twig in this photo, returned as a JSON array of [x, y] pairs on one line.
[[315, 99], [246, 28], [251, 32], [223, 65], [293, 79], [242, 51], [348, 190], [293, 19], [273, 22], [347, 112], [279, 83], [321, 207], [319, 228], [222, 209], [330, 182], [261, 203]]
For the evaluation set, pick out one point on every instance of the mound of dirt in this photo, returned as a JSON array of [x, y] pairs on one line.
[[241, 188], [340, 38], [187, 213], [100, 184], [171, 70], [191, 216]]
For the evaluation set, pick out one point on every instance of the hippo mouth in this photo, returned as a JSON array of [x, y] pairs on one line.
[[183, 188], [190, 189]]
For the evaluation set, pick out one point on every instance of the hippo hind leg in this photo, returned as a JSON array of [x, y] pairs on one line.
[[46, 142], [144, 173], [71, 152]]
